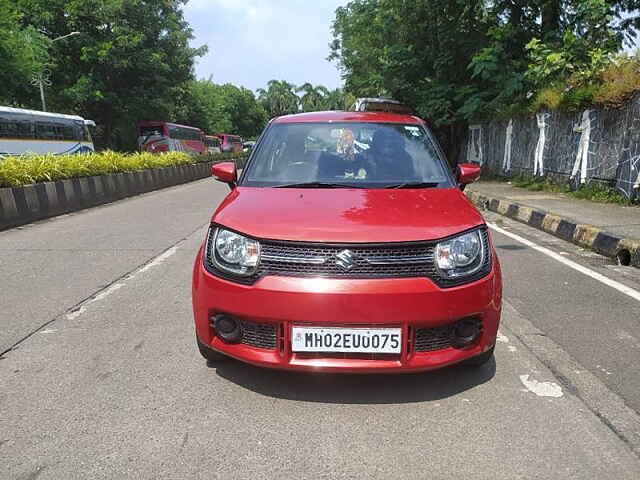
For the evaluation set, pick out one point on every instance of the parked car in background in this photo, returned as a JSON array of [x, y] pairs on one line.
[[31, 131], [381, 105], [326, 258], [230, 143], [213, 144], [159, 137], [248, 146]]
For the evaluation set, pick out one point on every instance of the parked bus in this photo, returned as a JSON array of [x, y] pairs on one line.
[[158, 137], [230, 143], [24, 132], [213, 144]]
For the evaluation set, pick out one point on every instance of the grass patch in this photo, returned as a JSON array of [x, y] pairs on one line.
[[601, 194], [26, 170], [594, 192]]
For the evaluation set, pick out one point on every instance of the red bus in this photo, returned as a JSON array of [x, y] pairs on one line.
[[230, 143], [158, 137]]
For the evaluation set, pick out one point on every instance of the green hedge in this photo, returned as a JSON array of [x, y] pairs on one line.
[[25, 170]]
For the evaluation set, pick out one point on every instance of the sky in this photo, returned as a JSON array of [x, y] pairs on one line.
[[253, 41]]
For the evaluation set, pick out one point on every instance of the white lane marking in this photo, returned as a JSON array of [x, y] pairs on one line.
[[106, 292], [76, 313], [512, 348], [541, 389], [117, 286], [156, 261], [502, 338], [570, 263]]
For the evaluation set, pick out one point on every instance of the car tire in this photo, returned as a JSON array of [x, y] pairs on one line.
[[481, 359], [210, 355]]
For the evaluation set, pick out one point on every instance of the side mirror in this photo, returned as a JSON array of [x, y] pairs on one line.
[[225, 172], [467, 173]]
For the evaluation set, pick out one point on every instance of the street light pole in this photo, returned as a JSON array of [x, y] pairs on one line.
[[41, 79]]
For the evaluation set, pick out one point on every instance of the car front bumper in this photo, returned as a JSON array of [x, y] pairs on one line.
[[408, 303]]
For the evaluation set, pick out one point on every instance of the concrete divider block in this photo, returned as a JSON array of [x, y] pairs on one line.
[[62, 195], [31, 200], [566, 230], [8, 204], [550, 223], [138, 183], [147, 181], [155, 179], [584, 235], [85, 191], [43, 200], [121, 185], [524, 214], [52, 197], [99, 188], [72, 191], [109, 182], [606, 243]]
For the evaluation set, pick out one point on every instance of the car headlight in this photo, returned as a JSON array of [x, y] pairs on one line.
[[232, 252], [461, 256]]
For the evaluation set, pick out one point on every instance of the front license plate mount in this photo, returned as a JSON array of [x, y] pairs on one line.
[[346, 339]]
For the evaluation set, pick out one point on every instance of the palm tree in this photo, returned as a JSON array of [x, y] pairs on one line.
[[313, 98], [279, 98]]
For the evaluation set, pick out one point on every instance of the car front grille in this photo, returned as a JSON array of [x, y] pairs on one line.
[[391, 260], [433, 338], [362, 261], [261, 335]]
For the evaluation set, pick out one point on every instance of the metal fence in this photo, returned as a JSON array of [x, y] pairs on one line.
[[595, 145]]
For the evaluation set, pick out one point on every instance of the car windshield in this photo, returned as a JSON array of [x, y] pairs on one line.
[[365, 155]]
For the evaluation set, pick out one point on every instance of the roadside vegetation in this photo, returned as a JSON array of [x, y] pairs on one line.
[[467, 61], [26, 170], [131, 60], [593, 191]]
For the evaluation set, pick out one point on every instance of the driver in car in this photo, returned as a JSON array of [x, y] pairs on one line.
[[387, 157]]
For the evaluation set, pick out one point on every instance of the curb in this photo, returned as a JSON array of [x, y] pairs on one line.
[[625, 250], [22, 205]]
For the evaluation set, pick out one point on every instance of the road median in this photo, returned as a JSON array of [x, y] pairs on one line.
[[21, 205]]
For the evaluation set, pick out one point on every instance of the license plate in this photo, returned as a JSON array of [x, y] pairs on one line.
[[346, 340]]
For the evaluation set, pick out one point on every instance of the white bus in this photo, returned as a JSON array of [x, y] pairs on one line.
[[24, 132]]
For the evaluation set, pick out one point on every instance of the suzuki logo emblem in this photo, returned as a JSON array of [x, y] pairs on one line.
[[346, 259]]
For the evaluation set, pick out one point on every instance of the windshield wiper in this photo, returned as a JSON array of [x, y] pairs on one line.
[[413, 185], [317, 185]]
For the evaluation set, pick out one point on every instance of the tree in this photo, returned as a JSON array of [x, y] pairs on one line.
[[131, 61], [457, 61], [23, 52], [279, 98], [313, 97], [221, 108]]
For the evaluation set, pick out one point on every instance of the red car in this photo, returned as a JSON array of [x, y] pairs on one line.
[[347, 245]]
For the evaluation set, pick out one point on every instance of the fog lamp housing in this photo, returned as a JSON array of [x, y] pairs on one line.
[[227, 328]]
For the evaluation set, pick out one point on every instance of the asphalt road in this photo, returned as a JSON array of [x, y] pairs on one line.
[[108, 382]]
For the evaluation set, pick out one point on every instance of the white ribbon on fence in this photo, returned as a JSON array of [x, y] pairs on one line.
[[474, 150], [538, 157], [506, 162], [582, 157]]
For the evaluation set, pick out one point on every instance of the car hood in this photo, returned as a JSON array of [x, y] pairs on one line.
[[347, 215]]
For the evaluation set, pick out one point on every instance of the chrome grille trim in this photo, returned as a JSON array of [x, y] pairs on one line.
[[283, 259], [398, 260]]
